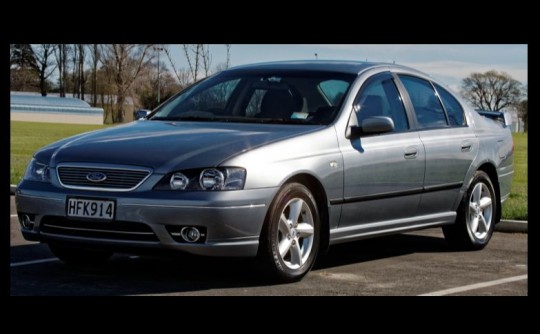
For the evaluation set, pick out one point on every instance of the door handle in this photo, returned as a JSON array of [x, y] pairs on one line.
[[466, 146], [410, 152]]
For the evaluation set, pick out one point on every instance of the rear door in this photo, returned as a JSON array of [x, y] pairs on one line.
[[450, 144]]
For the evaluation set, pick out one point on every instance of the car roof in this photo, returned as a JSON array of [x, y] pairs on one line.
[[339, 66]]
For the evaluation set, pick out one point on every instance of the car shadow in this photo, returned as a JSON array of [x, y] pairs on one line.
[[183, 273], [380, 248]]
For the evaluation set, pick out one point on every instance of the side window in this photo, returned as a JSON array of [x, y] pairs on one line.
[[428, 108], [380, 97], [333, 90], [452, 107]]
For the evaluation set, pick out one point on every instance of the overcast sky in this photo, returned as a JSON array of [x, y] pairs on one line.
[[448, 62]]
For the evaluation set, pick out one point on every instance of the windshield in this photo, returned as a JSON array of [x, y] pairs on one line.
[[269, 97]]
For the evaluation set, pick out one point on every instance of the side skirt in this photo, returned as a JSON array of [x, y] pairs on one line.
[[363, 231]]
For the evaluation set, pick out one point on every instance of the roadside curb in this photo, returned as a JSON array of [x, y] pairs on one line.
[[510, 226]]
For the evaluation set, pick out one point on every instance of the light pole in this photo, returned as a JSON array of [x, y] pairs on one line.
[[158, 87]]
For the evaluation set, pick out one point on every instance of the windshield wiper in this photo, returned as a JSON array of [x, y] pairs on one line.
[[186, 118]]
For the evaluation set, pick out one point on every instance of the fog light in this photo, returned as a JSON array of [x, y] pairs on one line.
[[190, 234], [27, 222]]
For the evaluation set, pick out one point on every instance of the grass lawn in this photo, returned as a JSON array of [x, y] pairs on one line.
[[27, 137], [516, 206]]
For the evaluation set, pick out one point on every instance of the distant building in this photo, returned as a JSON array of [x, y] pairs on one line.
[[53, 109]]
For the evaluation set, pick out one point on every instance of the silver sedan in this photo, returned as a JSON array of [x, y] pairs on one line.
[[276, 161]]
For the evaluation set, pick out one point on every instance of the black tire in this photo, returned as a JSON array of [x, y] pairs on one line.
[[461, 235], [305, 246], [75, 255]]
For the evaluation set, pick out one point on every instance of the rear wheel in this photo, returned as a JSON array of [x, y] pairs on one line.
[[290, 238], [476, 216], [75, 255]]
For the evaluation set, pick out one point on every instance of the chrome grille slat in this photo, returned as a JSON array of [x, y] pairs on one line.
[[118, 178]]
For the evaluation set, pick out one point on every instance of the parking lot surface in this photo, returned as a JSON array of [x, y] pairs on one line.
[[418, 263]]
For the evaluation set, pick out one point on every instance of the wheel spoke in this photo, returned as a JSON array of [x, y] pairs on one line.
[[477, 193], [284, 225], [304, 230], [474, 224], [296, 253], [482, 225], [485, 202], [284, 246], [295, 210], [472, 207]]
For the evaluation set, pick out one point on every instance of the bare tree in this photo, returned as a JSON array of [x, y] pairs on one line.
[[523, 109], [74, 78], [124, 62], [206, 58], [523, 112], [182, 74], [21, 55], [61, 55], [95, 55], [44, 64], [491, 90], [81, 76], [228, 59], [193, 56]]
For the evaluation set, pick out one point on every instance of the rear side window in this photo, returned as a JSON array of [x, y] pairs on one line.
[[452, 107], [428, 108]]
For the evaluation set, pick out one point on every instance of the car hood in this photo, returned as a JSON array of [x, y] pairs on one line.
[[166, 146]]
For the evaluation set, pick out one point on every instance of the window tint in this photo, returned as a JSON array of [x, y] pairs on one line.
[[452, 107], [380, 97], [334, 90], [428, 108]]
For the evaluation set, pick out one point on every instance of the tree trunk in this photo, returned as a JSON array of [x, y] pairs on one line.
[[82, 80], [42, 83], [94, 76], [118, 116]]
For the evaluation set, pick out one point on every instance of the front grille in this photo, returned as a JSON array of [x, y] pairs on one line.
[[116, 179], [118, 230]]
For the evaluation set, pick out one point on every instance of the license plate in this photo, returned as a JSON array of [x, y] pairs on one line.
[[90, 208]]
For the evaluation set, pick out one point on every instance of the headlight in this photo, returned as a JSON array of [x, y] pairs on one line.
[[36, 171], [209, 179]]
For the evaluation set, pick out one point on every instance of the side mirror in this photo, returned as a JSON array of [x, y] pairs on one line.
[[140, 114], [371, 125], [377, 124]]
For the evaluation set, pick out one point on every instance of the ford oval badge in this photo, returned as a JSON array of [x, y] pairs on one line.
[[96, 177]]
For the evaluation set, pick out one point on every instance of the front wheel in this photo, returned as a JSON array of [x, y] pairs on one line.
[[289, 240], [476, 216], [74, 255]]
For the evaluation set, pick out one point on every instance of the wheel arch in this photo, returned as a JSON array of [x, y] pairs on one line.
[[491, 171]]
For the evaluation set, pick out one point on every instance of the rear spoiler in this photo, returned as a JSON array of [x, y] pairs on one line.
[[504, 118]]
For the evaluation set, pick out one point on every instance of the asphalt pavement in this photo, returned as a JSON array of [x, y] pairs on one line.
[[410, 264]]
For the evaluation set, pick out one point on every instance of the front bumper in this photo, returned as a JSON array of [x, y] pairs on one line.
[[232, 219]]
